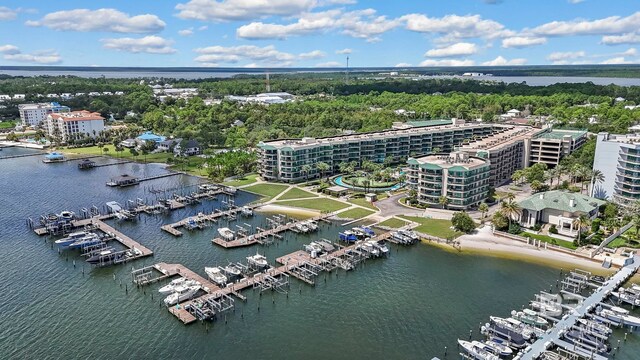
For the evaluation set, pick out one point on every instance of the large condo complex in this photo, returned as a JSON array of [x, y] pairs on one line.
[[549, 147], [66, 125], [36, 114], [618, 158], [462, 179]]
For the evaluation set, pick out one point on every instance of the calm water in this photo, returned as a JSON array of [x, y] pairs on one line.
[[409, 306]]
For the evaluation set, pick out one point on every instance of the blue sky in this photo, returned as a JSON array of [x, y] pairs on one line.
[[316, 33]]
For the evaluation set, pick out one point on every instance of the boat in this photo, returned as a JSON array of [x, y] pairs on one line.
[[226, 233], [216, 275], [367, 230], [628, 297], [410, 234], [314, 249], [399, 237], [71, 238], [587, 341], [124, 215], [496, 347], [53, 157], [258, 261], [231, 190], [311, 225], [247, 211], [370, 248], [208, 187], [359, 233], [513, 327], [91, 239], [232, 270], [302, 227], [67, 215], [181, 293], [529, 317], [547, 308], [348, 236], [595, 327], [169, 288], [618, 314], [477, 350], [109, 257], [381, 245]]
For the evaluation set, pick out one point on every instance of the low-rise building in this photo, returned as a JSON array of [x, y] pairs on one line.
[[36, 114], [560, 208], [462, 179], [188, 148], [66, 125]]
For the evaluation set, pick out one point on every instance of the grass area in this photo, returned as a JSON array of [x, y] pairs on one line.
[[550, 240], [295, 193], [359, 181], [246, 180], [322, 204], [267, 190], [434, 227], [393, 223], [626, 239], [355, 213], [363, 202], [97, 150], [7, 124]]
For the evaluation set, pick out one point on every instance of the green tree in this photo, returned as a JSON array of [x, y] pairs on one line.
[[500, 221], [510, 209], [133, 152], [443, 201], [306, 169], [484, 208], [323, 167], [461, 221], [579, 223]]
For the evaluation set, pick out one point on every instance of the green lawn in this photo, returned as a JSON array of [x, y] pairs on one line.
[[363, 202], [7, 124], [267, 190], [550, 240], [322, 204], [97, 150], [434, 227], [393, 223], [355, 213], [295, 193], [246, 180], [627, 239]]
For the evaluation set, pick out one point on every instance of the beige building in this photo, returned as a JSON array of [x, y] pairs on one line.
[[67, 125], [550, 146]]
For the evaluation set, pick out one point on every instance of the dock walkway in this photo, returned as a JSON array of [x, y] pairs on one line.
[[212, 217], [21, 156], [553, 336]]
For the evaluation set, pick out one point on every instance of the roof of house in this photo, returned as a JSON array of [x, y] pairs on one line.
[[151, 136], [561, 200], [82, 115], [191, 144]]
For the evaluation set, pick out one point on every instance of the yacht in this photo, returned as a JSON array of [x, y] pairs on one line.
[[529, 317], [247, 211], [618, 314], [476, 350], [348, 236], [381, 245], [258, 261], [91, 239], [231, 190], [170, 287], [108, 257], [496, 347], [311, 225], [226, 233], [71, 238], [595, 327], [410, 234], [547, 308], [207, 187], [67, 216], [370, 248], [216, 275], [302, 227], [232, 270], [627, 297], [400, 237], [587, 341], [359, 233], [181, 293]]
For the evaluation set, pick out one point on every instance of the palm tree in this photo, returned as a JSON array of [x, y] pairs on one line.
[[484, 208], [510, 209], [444, 201], [579, 223], [306, 169], [517, 176], [509, 196], [559, 171], [323, 167]]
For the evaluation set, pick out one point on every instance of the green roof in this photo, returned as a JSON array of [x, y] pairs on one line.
[[559, 134], [560, 200], [424, 123]]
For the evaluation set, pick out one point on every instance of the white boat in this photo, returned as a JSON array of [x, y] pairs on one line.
[[627, 297], [71, 238], [476, 350], [258, 260], [232, 270], [207, 187], [620, 315], [181, 293], [216, 275], [230, 189], [369, 247], [547, 308], [226, 233], [67, 215], [529, 317], [247, 211], [381, 246], [302, 227], [497, 348], [170, 287], [595, 327], [311, 225], [513, 325]]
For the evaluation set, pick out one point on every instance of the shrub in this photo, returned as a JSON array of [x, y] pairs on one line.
[[514, 228], [553, 229], [537, 227], [461, 221], [595, 225]]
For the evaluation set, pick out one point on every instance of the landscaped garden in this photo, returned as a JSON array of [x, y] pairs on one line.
[[434, 227], [550, 240]]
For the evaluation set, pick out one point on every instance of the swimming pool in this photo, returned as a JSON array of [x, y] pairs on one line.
[[338, 181]]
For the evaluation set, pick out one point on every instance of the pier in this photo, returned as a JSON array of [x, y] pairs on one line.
[[20, 156], [554, 335], [212, 217]]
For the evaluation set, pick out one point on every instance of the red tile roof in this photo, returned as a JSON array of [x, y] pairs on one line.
[[82, 115]]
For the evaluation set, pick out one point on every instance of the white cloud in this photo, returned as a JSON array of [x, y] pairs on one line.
[[630, 52], [330, 64], [235, 54], [363, 24], [398, 65], [522, 41], [12, 53], [7, 14], [616, 60], [459, 49], [569, 55], [336, 2], [609, 25], [229, 10], [629, 38], [149, 44], [346, 51], [9, 49], [501, 61], [447, 62], [107, 20], [203, 28], [456, 27], [185, 32], [315, 54]]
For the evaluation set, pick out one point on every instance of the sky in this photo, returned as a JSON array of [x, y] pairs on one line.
[[319, 33]]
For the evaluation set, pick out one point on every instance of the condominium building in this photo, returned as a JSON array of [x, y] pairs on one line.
[[462, 179], [36, 114], [618, 158], [285, 160], [66, 125], [550, 146]]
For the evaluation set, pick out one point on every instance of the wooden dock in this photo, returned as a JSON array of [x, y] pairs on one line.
[[212, 217], [258, 238], [21, 156]]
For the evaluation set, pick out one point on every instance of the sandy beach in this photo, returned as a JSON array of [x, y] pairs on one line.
[[297, 213]]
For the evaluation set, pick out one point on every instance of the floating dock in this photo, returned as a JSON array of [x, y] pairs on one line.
[[212, 217]]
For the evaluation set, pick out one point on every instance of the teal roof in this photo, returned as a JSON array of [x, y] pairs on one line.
[[559, 134], [560, 200], [424, 123], [149, 136]]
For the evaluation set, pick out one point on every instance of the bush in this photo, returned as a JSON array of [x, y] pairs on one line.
[[537, 227], [595, 225], [553, 229], [461, 221], [514, 228]]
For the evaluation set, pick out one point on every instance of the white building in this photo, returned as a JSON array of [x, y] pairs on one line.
[[35, 114], [18, 96], [66, 125], [617, 157]]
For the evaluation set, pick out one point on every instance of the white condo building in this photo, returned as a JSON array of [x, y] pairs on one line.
[[66, 125], [618, 158], [36, 114]]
